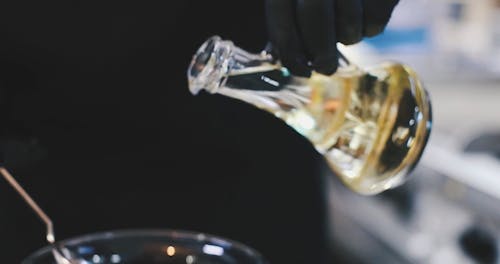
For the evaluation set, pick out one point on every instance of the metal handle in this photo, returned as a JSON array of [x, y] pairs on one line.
[[34, 206]]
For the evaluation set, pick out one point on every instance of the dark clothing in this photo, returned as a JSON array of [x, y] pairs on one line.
[[99, 126]]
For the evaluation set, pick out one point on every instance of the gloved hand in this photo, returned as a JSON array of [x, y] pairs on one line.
[[304, 33]]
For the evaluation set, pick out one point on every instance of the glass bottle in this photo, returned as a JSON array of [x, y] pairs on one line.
[[370, 125]]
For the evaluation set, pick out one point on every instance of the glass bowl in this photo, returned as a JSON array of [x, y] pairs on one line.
[[147, 247]]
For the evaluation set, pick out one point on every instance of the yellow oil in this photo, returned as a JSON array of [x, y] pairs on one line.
[[371, 126]]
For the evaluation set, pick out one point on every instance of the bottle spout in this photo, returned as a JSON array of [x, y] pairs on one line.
[[220, 67], [210, 65]]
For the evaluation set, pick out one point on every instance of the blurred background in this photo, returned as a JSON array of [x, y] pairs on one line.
[[98, 124], [449, 212]]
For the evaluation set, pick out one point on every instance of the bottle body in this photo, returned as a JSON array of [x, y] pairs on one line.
[[371, 126]]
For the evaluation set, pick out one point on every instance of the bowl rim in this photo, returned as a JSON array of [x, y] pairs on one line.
[[157, 233]]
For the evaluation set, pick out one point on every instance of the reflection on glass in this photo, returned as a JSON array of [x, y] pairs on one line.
[[148, 247]]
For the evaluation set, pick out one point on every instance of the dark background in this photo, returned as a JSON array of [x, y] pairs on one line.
[[99, 126]]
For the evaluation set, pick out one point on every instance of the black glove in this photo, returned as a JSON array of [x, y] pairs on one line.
[[304, 33]]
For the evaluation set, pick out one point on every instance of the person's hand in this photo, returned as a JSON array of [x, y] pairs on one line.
[[304, 33]]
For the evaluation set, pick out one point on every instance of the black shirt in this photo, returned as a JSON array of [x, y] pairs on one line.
[[98, 124]]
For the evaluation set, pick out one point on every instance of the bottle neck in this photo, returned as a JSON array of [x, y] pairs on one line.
[[218, 59], [220, 67]]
